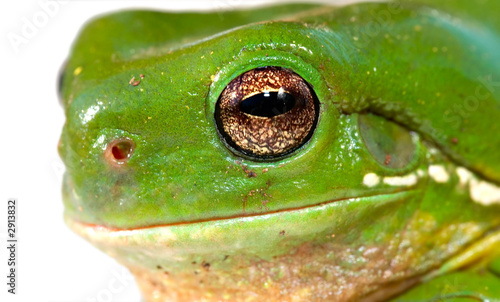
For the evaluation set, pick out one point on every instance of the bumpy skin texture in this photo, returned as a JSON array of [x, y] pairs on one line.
[[195, 221]]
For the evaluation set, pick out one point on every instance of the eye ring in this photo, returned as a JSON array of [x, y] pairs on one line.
[[119, 151], [266, 113]]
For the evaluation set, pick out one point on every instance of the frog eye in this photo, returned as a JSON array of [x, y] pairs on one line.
[[389, 143], [119, 151], [267, 113]]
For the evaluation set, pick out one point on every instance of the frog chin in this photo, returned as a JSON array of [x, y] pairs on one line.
[[230, 248]]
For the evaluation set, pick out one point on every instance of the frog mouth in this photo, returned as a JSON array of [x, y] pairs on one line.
[[246, 232], [249, 240], [264, 236], [236, 246]]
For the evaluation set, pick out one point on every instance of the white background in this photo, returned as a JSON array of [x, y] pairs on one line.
[[53, 263]]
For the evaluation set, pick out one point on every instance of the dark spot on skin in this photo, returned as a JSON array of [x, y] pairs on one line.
[[205, 265], [282, 233], [196, 272], [387, 159], [251, 174], [193, 263], [264, 203], [158, 267], [166, 273], [248, 172], [245, 200], [254, 193], [454, 140], [225, 257]]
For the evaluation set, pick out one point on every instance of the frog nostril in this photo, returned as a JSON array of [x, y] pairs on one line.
[[119, 151]]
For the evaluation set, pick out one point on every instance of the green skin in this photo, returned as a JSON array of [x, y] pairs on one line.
[[184, 197]]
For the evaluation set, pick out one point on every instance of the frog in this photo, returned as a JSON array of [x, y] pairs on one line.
[[295, 152]]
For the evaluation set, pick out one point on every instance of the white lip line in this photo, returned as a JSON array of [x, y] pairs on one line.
[[110, 229]]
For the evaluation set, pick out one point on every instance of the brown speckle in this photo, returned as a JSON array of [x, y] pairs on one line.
[[251, 174], [205, 265], [248, 172], [387, 159], [245, 200], [282, 233], [454, 140]]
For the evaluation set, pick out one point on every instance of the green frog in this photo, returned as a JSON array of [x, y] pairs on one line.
[[290, 153]]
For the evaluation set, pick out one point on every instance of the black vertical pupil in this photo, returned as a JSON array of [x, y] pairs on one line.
[[268, 104]]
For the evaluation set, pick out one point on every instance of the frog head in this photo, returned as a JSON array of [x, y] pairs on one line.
[[282, 152]]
